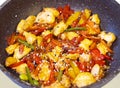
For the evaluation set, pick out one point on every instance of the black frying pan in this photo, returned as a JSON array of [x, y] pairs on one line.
[[14, 10]]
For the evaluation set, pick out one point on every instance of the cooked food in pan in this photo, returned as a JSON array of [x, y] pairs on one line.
[[60, 48]]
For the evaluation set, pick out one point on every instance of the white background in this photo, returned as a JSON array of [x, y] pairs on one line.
[[5, 82]]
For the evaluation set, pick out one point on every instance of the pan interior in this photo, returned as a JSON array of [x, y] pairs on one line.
[[15, 10]]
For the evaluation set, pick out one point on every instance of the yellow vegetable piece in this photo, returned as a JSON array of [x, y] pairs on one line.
[[23, 77], [10, 49], [39, 40], [20, 26], [30, 20], [71, 35], [103, 49], [85, 44], [73, 56], [95, 18], [9, 61], [85, 15], [75, 67], [71, 73], [84, 79], [52, 56], [73, 17], [23, 25], [57, 51], [45, 33], [59, 28], [82, 21]]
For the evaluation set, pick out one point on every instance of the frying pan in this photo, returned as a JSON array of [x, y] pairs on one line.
[[13, 11]]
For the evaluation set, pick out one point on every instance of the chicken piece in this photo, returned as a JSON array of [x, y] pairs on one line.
[[18, 54], [45, 17], [97, 72], [59, 28], [84, 79], [108, 37], [10, 49], [53, 10], [85, 57], [44, 73], [65, 81], [30, 38], [56, 84]]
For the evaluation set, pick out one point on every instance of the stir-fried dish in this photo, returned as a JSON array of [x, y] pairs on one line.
[[60, 48]]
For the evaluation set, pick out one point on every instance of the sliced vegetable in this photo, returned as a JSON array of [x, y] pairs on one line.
[[29, 76], [75, 29], [95, 18], [70, 35], [59, 28], [71, 73], [85, 44], [26, 44], [25, 24], [60, 73], [9, 61], [23, 77], [35, 82], [84, 16], [10, 49], [75, 67], [73, 17]]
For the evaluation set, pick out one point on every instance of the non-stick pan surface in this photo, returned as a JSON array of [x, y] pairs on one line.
[[13, 11]]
